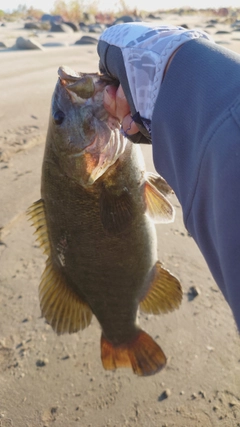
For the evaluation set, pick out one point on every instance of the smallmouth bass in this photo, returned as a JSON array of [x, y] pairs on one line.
[[95, 222]]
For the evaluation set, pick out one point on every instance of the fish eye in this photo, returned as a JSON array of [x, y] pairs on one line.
[[58, 117]]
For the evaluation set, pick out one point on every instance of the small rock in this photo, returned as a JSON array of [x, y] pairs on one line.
[[66, 357], [222, 32], [42, 362], [123, 19], [202, 394], [56, 44], [96, 28], [87, 40], [209, 348], [60, 28], [22, 43], [233, 403], [194, 396], [165, 394], [32, 26], [75, 27], [193, 292]]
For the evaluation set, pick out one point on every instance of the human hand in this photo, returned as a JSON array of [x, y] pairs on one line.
[[115, 102]]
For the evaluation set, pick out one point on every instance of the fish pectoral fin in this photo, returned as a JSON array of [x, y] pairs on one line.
[[60, 305], [165, 293], [158, 207], [159, 182], [142, 354], [115, 210], [36, 214]]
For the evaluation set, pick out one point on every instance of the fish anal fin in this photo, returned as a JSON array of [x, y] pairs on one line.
[[142, 354], [159, 182], [158, 207], [165, 292], [115, 209], [36, 214], [60, 305]]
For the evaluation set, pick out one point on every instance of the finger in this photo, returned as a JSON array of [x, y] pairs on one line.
[[109, 99], [129, 126], [115, 102], [122, 106]]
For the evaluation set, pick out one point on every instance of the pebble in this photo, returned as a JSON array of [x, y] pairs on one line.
[[42, 362], [193, 292], [202, 394], [165, 394]]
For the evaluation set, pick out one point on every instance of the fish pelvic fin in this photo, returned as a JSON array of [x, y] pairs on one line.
[[36, 214], [60, 305], [142, 354], [165, 293], [158, 207]]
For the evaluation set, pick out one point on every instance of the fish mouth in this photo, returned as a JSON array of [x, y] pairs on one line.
[[108, 144]]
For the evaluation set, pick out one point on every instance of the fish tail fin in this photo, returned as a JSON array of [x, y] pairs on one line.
[[142, 354]]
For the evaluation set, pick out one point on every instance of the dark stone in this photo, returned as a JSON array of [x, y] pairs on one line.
[[222, 32], [87, 40], [52, 18], [123, 19], [96, 28], [75, 27], [32, 26], [22, 43], [60, 28]]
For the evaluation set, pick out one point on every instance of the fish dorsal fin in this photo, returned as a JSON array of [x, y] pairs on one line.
[[115, 209], [158, 208], [36, 214], [165, 293], [159, 182], [60, 305]]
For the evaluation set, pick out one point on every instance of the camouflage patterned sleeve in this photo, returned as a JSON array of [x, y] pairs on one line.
[[136, 54]]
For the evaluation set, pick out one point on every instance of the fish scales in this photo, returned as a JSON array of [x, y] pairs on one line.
[[95, 221]]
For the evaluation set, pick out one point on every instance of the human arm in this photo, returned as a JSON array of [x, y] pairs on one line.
[[137, 56], [195, 133]]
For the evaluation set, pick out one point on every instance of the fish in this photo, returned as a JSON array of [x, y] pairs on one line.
[[95, 222]]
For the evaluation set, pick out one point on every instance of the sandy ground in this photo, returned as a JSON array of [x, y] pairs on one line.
[[46, 380]]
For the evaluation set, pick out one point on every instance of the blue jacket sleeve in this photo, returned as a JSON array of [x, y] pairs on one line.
[[196, 147]]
